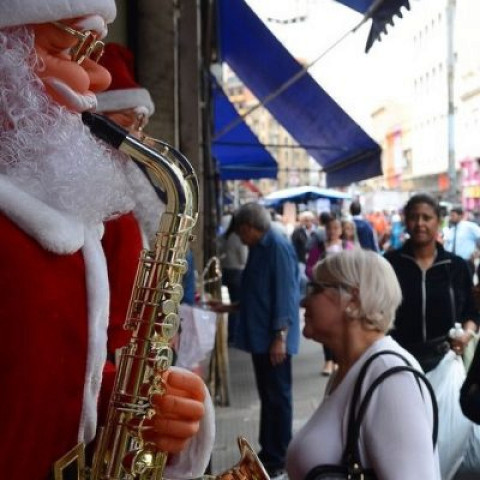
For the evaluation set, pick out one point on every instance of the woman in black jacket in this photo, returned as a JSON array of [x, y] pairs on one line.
[[436, 288]]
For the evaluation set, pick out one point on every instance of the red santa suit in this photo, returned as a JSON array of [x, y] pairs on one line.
[[55, 286]]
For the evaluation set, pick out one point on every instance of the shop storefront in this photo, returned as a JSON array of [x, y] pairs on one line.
[[470, 183]]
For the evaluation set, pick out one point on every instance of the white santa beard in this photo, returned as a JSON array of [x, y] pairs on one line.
[[46, 150], [148, 206]]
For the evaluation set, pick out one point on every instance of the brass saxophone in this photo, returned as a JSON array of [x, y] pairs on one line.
[[121, 453], [153, 311]]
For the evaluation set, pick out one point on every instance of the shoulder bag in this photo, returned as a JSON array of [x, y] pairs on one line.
[[351, 467]]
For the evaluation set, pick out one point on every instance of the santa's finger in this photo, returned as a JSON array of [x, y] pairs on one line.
[[168, 405], [188, 382], [169, 427]]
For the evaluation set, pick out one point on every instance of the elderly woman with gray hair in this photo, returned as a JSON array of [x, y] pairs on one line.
[[350, 307]]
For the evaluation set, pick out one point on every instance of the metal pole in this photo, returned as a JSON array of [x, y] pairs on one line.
[[452, 172], [176, 72]]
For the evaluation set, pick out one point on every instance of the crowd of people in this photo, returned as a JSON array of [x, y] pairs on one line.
[[410, 295]]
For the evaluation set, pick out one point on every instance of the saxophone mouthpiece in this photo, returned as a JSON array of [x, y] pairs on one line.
[[104, 129]]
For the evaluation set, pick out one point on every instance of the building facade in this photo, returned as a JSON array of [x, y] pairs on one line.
[[424, 138]]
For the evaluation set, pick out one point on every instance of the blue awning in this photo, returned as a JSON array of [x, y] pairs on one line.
[[346, 153], [239, 154], [381, 13]]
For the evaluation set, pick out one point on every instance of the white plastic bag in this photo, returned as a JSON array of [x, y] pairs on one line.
[[453, 428], [470, 467], [197, 336]]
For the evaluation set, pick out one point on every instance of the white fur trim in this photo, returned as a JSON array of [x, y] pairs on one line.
[[55, 231], [61, 234], [98, 309], [114, 100], [193, 460], [94, 23], [24, 12]]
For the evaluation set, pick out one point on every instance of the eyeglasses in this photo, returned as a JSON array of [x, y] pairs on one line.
[[314, 288], [87, 47]]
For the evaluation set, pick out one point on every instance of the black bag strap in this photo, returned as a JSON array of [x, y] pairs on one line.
[[359, 382], [351, 455], [351, 440]]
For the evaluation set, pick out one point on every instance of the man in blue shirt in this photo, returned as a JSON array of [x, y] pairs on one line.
[[463, 237], [269, 326], [188, 281], [365, 234]]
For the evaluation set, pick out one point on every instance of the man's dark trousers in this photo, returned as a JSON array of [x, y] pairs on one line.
[[274, 384]]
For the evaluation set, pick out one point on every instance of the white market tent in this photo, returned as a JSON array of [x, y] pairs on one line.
[[303, 194]]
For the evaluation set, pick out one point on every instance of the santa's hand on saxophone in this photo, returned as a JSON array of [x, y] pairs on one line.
[[67, 272]]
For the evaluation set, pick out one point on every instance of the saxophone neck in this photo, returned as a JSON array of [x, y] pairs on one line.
[[166, 168]]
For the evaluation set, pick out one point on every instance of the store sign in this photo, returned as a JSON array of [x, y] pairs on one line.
[[472, 191]]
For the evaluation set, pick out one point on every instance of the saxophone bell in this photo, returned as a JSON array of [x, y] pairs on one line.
[[249, 467]]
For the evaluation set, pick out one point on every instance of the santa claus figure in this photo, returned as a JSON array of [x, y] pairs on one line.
[[61, 306]]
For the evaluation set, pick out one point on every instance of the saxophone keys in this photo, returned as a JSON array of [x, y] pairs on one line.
[[182, 266], [137, 462], [176, 293], [169, 306], [168, 326], [161, 359]]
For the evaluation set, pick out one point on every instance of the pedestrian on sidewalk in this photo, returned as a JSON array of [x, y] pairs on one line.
[[333, 244], [365, 232], [350, 306], [463, 237], [436, 288], [233, 257], [301, 239], [269, 327]]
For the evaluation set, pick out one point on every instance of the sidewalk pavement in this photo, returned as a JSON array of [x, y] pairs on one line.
[[242, 416]]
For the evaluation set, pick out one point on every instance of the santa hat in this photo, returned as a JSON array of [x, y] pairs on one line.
[[23, 12], [124, 92]]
